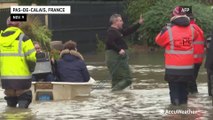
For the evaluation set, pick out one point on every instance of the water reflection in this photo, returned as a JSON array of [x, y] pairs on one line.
[[149, 98], [16, 114]]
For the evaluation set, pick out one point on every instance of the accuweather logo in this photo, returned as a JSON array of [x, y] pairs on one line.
[[178, 111]]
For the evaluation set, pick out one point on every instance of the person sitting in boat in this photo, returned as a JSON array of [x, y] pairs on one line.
[[43, 69], [71, 66]]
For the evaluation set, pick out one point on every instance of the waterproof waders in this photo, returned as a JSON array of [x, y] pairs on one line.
[[119, 70]]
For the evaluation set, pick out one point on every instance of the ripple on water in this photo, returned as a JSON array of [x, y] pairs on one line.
[[148, 100]]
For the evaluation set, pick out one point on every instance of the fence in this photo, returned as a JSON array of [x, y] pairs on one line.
[[4, 15], [86, 21]]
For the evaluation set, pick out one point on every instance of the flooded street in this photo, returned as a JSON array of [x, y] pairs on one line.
[[147, 100]]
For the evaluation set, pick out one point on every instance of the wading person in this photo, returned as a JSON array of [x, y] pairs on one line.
[[116, 52], [198, 53], [17, 61], [209, 63], [177, 39]]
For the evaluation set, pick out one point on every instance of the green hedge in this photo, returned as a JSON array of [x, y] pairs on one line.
[[37, 32], [157, 13]]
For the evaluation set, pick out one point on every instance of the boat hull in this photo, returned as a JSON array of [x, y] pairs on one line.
[[60, 90]]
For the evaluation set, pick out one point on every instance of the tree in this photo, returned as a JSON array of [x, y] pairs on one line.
[[37, 32], [158, 13]]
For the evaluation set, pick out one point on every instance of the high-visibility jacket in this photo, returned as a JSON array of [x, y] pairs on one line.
[[198, 45], [178, 44], [17, 53]]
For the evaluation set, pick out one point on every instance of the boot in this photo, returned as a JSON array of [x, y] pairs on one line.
[[25, 99], [122, 85], [11, 101]]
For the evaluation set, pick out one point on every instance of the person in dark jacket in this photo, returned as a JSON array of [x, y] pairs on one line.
[[177, 39], [209, 63], [116, 52], [71, 66]]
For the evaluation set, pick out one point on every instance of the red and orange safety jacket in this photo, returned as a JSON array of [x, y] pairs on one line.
[[178, 43], [198, 44]]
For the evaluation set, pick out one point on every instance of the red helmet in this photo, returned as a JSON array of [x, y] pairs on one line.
[[13, 23]]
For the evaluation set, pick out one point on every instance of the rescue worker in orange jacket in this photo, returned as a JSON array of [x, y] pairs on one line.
[[177, 39], [198, 53]]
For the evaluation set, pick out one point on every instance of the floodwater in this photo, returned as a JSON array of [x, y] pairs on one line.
[[148, 99]]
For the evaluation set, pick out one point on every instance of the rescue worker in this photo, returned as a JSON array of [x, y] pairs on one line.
[[117, 53], [198, 53], [177, 39], [17, 60]]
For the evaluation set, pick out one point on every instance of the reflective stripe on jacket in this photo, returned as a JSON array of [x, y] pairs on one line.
[[198, 45], [178, 44]]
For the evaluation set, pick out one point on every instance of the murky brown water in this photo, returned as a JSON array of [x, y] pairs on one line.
[[149, 100]]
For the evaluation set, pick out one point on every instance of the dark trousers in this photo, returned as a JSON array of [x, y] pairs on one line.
[[46, 77], [210, 82], [178, 92], [178, 86], [21, 97], [119, 69], [192, 87]]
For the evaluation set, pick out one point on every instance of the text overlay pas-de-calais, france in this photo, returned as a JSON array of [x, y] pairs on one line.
[[40, 9]]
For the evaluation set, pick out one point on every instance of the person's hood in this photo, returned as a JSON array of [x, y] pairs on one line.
[[9, 35], [180, 20], [70, 55]]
